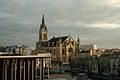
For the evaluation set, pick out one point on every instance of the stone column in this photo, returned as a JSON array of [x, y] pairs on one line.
[[6, 69], [28, 69], [24, 69], [15, 68], [12, 70], [41, 69], [21, 70], [33, 70], [48, 68], [3, 72]]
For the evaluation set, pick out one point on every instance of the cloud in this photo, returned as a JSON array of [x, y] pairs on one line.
[[113, 3], [103, 25], [91, 20]]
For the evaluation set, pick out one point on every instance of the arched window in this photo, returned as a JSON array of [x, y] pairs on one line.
[[53, 52], [63, 52], [45, 36]]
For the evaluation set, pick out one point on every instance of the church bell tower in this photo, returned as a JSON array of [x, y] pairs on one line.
[[43, 31]]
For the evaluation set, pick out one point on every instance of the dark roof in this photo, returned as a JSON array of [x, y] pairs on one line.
[[57, 39], [85, 51], [44, 44]]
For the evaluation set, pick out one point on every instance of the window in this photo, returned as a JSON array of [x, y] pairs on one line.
[[63, 52], [72, 43], [45, 36], [53, 52]]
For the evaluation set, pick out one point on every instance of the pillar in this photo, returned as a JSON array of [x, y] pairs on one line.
[[33, 71], [41, 69], [28, 69], [3, 72], [48, 68], [15, 68], [20, 69], [6, 69], [12, 71], [24, 69]]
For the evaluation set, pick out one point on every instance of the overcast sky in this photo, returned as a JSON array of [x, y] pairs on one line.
[[93, 21]]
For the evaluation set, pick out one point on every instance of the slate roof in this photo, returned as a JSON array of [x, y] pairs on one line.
[[57, 39], [44, 44], [53, 41]]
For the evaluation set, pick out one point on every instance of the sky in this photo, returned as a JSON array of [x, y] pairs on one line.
[[93, 21]]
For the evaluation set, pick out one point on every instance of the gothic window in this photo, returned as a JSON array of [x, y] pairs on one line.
[[44, 36], [72, 43], [53, 52], [63, 52], [65, 44]]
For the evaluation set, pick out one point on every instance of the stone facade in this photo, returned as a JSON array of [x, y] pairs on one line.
[[61, 48]]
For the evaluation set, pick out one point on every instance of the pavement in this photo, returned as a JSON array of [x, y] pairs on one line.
[[63, 76]]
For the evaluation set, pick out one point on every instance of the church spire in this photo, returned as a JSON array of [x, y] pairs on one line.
[[43, 22], [78, 40], [43, 31]]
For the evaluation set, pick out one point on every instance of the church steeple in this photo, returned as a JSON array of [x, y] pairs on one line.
[[43, 22], [43, 31], [78, 40]]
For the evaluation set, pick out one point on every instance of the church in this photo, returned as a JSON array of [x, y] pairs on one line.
[[61, 48]]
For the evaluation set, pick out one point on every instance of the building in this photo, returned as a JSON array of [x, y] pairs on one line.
[[46, 61], [61, 48], [92, 48], [21, 67], [16, 49], [2, 49]]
